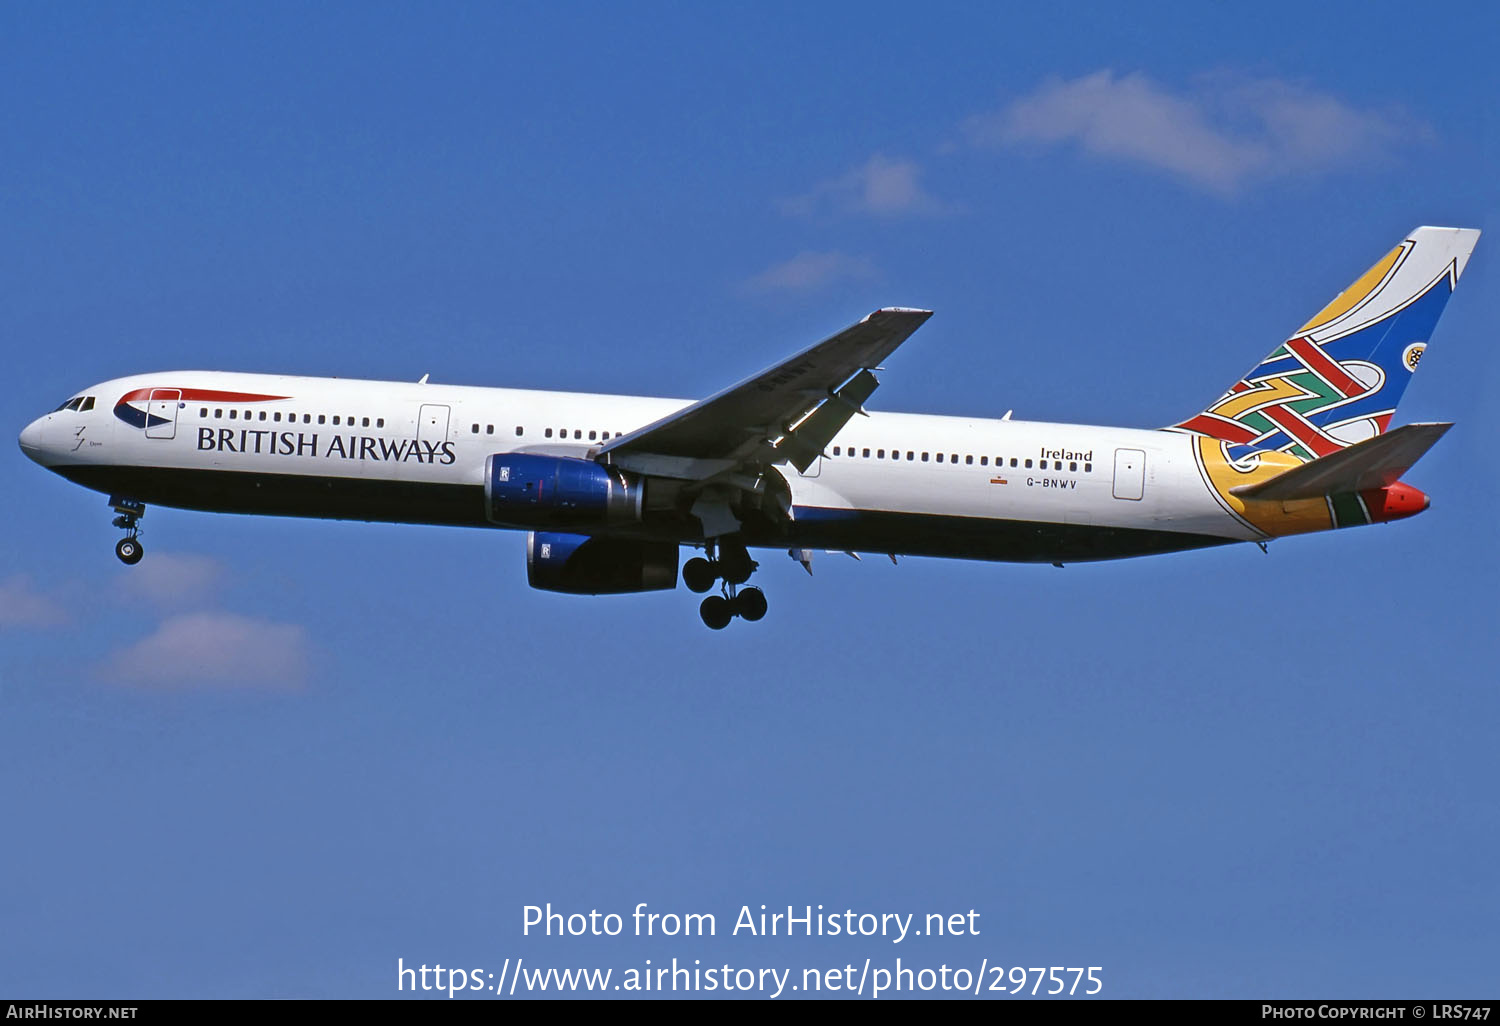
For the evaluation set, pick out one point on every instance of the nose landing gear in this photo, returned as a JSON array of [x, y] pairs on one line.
[[130, 512], [733, 566]]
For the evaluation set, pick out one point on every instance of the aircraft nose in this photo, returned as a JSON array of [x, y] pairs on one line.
[[33, 439]]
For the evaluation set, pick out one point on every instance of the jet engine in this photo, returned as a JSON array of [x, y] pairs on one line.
[[582, 565], [527, 490]]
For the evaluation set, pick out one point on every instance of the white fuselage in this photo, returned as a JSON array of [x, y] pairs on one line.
[[231, 442]]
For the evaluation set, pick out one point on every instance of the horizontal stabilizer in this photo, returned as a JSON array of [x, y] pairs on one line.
[[1374, 463]]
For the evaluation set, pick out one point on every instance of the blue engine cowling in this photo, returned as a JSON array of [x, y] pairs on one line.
[[581, 565], [525, 490]]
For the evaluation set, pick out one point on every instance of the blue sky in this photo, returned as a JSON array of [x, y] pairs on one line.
[[278, 755]]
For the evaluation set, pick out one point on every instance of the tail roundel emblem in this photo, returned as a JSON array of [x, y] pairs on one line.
[[1413, 355]]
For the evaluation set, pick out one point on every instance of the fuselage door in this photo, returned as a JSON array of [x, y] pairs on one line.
[[161, 413], [432, 424], [1130, 473]]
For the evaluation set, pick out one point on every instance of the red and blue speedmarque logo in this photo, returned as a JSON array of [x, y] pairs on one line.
[[145, 407]]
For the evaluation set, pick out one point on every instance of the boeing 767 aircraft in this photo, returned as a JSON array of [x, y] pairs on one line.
[[610, 486]]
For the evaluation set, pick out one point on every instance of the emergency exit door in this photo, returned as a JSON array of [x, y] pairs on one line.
[[432, 424], [161, 413], [1130, 473]]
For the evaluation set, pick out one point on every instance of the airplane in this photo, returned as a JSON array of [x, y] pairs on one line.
[[609, 487]]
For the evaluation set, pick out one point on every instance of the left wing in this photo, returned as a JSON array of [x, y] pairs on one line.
[[786, 413]]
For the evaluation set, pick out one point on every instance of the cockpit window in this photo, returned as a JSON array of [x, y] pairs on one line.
[[87, 404]]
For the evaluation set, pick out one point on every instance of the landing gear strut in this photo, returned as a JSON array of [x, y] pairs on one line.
[[130, 512], [733, 566]]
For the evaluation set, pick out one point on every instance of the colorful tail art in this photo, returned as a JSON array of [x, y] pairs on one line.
[[1333, 384]]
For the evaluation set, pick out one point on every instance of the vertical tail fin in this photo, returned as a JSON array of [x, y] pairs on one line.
[[1338, 380]]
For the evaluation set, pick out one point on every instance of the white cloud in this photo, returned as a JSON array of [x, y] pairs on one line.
[[808, 271], [879, 186], [172, 579], [214, 648], [1220, 135], [21, 605]]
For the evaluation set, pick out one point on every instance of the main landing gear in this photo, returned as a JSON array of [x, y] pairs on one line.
[[733, 566], [130, 512]]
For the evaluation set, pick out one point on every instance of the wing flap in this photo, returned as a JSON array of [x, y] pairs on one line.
[[1374, 463], [806, 442]]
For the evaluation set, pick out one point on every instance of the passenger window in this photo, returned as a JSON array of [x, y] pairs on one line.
[[1087, 467], [473, 429], [836, 450], [380, 422], [276, 416], [322, 418], [924, 457], [233, 414], [940, 457], [518, 431], [880, 454], [364, 422], [910, 455], [335, 419], [262, 415], [1028, 464], [1013, 462], [203, 412], [867, 454], [592, 435], [984, 461], [489, 429], [548, 432], [1072, 466], [578, 433]]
